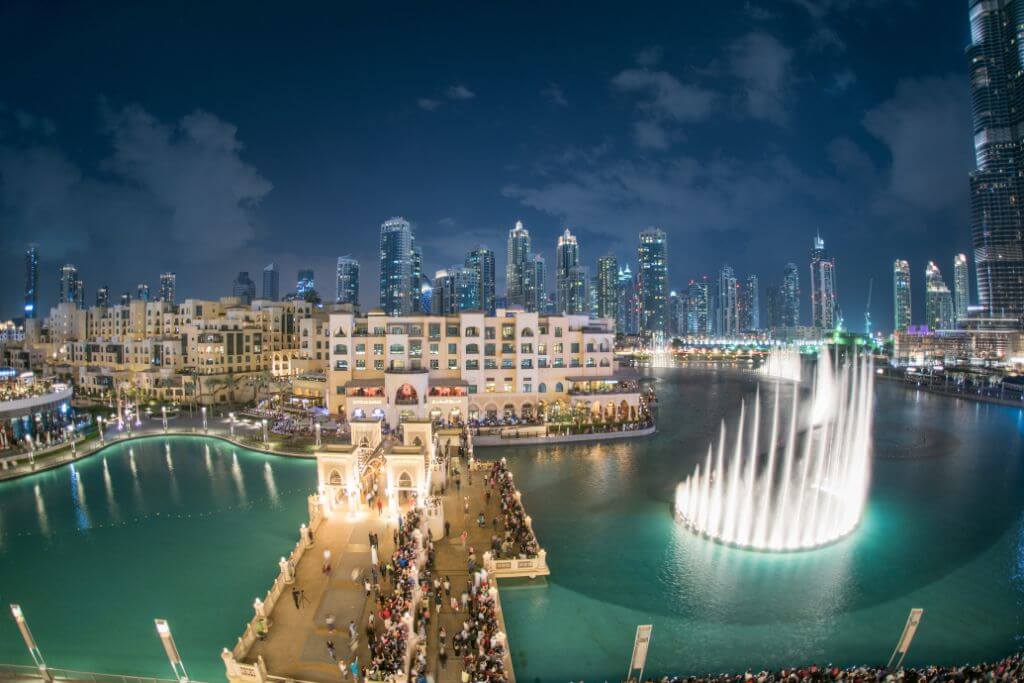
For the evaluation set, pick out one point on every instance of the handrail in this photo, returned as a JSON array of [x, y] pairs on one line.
[[23, 671]]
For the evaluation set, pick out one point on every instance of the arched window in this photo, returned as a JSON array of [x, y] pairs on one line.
[[559, 388], [527, 332], [335, 478], [542, 388], [404, 480], [590, 363], [605, 363]]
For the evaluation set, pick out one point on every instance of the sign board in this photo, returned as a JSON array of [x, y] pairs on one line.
[[640, 645]]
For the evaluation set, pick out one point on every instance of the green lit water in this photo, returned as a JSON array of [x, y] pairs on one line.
[[95, 553]]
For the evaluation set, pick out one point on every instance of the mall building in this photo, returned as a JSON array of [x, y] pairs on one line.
[[514, 364]]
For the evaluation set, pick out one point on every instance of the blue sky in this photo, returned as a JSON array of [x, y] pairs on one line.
[[209, 138]]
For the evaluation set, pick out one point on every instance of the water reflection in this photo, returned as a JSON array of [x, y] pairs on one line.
[[108, 486], [78, 500], [44, 522], [236, 475], [268, 477]]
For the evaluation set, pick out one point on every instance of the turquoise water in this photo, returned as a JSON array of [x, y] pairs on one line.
[[942, 532], [96, 552]]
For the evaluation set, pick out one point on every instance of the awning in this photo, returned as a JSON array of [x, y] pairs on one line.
[[448, 382], [356, 383]]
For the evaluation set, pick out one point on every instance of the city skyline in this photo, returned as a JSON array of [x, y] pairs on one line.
[[547, 169]]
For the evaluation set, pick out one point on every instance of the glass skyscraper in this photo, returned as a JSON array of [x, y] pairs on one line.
[[347, 291], [142, 292], [698, 318], [627, 317], [901, 296], [789, 311], [997, 91], [168, 286], [961, 286], [567, 257], [481, 260], [31, 280], [103, 297], [938, 303], [244, 288], [304, 283], [607, 287], [271, 285], [727, 304], [517, 266], [68, 292], [823, 287], [396, 268], [652, 280]]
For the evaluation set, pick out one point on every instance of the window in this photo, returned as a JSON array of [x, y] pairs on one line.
[[558, 331], [605, 363], [488, 349], [452, 329], [508, 347], [397, 349], [542, 388], [489, 387], [489, 333], [340, 332], [590, 347], [453, 363], [341, 365], [542, 349], [472, 388], [415, 330], [508, 331], [490, 364], [527, 387], [472, 348], [434, 330], [526, 348], [360, 349], [558, 347], [574, 347], [434, 364], [472, 364], [453, 349], [378, 365], [508, 364], [574, 362], [378, 349], [526, 364], [415, 349], [590, 363], [378, 332], [471, 332], [558, 363], [397, 329], [542, 362], [435, 349], [559, 388]]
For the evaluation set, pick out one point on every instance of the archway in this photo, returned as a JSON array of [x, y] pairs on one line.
[[406, 395]]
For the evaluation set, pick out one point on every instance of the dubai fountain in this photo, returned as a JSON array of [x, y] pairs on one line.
[[782, 363], [806, 484]]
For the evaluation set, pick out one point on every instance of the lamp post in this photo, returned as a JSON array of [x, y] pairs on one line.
[[31, 450], [316, 429], [71, 436], [205, 430], [30, 642], [266, 434], [163, 414], [231, 421], [99, 425], [167, 640]]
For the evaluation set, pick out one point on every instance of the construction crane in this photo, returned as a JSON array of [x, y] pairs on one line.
[[867, 307]]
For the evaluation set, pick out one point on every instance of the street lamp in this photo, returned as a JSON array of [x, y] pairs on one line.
[[31, 450], [71, 436], [99, 424], [316, 428], [231, 419], [163, 413], [30, 642], [266, 434], [167, 640], [204, 419]]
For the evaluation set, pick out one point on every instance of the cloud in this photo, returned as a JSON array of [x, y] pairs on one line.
[[841, 82], [428, 104], [555, 95], [762, 65], [649, 56], [650, 134], [180, 186], [757, 12], [459, 92], [925, 126], [664, 96]]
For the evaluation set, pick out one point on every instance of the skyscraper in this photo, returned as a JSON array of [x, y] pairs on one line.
[[347, 291], [533, 294], [271, 289], [396, 267], [938, 303], [627, 316], [961, 287], [823, 287], [997, 225], [652, 280], [68, 292], [481, 260], [901, 295], [168, 285], [417, 272], [727, 319], [567, 257], [31, 280], [304, 283], [244, 288], [677, 313], [517, 265], [698, 318], [103, 297], [607, 287], [773, 306], [790, 294], [80, 293], [455, 289], [126, 298], [750, 308], [574, 291], [142, 291]]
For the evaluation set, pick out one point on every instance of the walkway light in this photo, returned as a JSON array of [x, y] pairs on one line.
[[167, 640], [204, 419], [231, 419], [30, 642]]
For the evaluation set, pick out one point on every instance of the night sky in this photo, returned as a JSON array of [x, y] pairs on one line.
[[216, 137]]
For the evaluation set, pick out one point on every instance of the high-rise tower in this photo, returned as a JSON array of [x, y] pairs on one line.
[[938, 302], [567, 257], [517, 265], [396, 267], [347, 274], [901, 295], [168, 287], [68, 292], [823, 287], [607, 287], [997, 89], [789, 312], [271, 285], [481, 260], [652, 280], [727, 306], [244, 288], [31, 280], [305, 282], [961, 286]]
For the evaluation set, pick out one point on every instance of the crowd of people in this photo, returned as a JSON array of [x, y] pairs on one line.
[[519, 539], [480, 644], [1008, 669]]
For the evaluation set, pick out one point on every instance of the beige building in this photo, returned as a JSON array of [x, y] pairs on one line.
[[470, 366]]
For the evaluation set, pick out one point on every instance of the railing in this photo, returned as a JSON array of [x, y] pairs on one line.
[[517, 566], [17, 671]]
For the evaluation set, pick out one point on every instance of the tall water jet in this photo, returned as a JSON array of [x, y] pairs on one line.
[[782, 363], [803, 488]]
